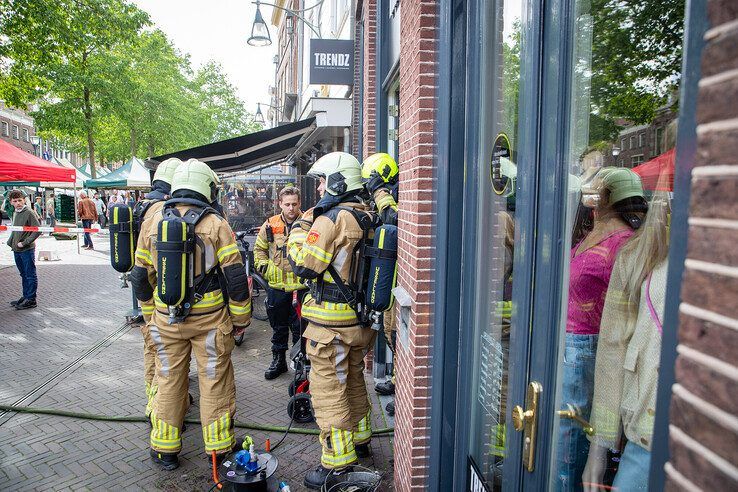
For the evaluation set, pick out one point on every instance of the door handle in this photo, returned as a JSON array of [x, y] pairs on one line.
[[527, 421], [572, 412]]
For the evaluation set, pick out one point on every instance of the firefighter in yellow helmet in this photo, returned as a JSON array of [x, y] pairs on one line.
[[380, 174], [270, 258], [336, 340], [152, 203], [188, 262]]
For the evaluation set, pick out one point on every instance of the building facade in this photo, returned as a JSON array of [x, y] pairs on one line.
[[16, 128], [488, 110]]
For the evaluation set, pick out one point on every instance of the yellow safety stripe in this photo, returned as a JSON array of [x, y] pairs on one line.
[[343, 452], [238, 310], [226, 251], [364, 429], [386, 201], [316, 313], [219, 434], [164, 435], [318, 253], [147, 308], [262, 243], [144, 255]]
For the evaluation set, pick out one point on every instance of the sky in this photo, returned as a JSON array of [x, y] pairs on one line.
[[218, 30]]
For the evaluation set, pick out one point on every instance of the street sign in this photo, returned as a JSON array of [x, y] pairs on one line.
[[332, 61]]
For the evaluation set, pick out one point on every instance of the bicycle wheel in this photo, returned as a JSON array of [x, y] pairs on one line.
[[259, 297]]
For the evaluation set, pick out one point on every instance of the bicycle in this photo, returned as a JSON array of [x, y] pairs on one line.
[[257, 285]]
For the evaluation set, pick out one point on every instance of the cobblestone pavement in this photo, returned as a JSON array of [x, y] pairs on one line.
[[81, 307]]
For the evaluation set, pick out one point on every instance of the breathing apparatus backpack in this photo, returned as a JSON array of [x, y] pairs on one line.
[[125, 226], [373, 267], [177, 285]]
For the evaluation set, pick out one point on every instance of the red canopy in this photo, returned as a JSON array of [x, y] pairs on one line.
[[658, 173], [18, 165]]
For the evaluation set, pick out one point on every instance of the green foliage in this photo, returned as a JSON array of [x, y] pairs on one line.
[[104, 82]]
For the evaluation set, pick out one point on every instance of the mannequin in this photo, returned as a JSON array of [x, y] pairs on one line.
[[616, 197], [626, 369]]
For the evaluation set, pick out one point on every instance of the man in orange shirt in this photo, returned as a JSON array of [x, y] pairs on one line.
[[88, 215]]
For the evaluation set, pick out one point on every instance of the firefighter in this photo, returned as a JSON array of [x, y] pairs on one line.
[[380, 175], [270, 258], [336, 340], [149, 207], [218, 307]]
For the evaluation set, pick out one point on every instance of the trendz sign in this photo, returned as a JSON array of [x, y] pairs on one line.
[[331, 61]]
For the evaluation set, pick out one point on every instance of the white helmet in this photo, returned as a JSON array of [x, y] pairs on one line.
[[196, 176], [165, 170], [342, 172]]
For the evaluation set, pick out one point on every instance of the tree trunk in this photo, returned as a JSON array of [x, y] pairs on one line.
[[134, 146], [151, 150], [90, 136]]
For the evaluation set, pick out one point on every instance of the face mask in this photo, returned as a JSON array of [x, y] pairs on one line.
[[591, 200]]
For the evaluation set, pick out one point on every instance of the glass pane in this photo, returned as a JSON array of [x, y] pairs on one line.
[[626, 62], [495, 223]]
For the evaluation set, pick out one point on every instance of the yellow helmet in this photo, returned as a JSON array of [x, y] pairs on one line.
[[341, 171], [383, 164], [196, 176], [165, 170]]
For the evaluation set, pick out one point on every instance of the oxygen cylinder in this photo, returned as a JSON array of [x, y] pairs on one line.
[[122, 242], [174, 260], [382, 268]]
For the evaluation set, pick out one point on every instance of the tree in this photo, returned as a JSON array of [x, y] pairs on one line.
[[57, 52]]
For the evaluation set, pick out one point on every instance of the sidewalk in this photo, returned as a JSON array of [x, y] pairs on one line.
[[80, 305]]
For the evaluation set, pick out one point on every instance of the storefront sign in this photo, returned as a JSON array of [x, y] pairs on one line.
[[331, 61], [476, 483], [501, 166]]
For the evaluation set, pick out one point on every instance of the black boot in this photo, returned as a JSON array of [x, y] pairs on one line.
[[363, 450], [316, 478], [386, 388], [277, 367], [26, 304], [390, 408], [168, 461], [15, 303]]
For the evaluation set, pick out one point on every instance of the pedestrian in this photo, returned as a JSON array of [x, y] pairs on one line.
[[204, 318], [112, 199], [88, 214], [51, 211], [270, 258], [101, 209], [323, 252], [24, 249], [38, 207]]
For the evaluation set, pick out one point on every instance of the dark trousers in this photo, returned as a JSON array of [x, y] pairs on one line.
[[26, 263], [86, 223], [283, 318], [101, 220]]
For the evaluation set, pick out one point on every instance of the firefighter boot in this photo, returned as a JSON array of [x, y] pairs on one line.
[[168, 461], [316, 478], [277, 367], [363, 450], [385, 388]]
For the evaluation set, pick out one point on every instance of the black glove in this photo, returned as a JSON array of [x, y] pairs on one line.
[[262, 269], [375, 182]]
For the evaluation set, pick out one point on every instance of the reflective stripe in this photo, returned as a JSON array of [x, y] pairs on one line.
[[262, 243], [340, 358], [163, 358], [317, 253], [364, 429], [343, 452], [209, 300], [164, 436], [218, 435], [144, 255], [237, 310], [226, 251], [318, 313], [212, 353], [147, 308]]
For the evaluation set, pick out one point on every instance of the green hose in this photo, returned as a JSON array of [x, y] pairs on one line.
[[117, 418]]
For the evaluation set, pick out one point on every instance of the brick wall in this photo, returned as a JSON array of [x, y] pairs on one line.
[[415, 260], [369, 100], [704, 406]]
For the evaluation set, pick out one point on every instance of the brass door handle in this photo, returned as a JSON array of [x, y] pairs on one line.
[[573, 413], [527, 422]]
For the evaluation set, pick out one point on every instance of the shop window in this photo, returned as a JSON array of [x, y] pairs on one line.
[[25, 135], [6, 131], [16, 134], [613, 294], [622, 144]]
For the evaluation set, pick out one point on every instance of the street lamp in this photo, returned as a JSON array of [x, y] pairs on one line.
[[35, 141], [260, 32], [259, 116], [615, 151]]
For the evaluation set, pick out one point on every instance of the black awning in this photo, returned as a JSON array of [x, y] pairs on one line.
[[247, 151]]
